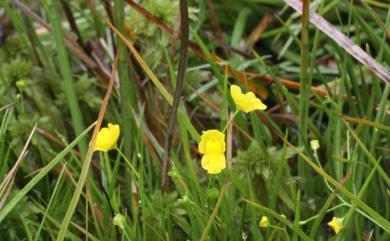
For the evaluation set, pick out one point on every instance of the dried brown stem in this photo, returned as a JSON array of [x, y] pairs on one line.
[[344, 42]]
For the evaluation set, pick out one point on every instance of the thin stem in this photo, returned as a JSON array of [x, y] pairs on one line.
[[184, 33], [303, 169], [303, 222], [230, 121], [214, 213], [128, 163], [276, 227]]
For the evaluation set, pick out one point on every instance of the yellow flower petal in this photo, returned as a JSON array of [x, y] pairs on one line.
[[115, 130], [264, 222], [336, 224], [107, 138], [212, 142], [213, 163], [246, 102], [212, 145], [235, 92]]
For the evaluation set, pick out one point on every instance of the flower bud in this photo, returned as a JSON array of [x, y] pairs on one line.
[[213, 193], [21, 85], [314, 144], [264, 222], [120, 221]]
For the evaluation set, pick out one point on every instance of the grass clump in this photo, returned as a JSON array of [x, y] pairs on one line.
[[300, 152]]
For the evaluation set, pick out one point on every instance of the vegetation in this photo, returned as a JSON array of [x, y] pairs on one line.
[[280, 132]]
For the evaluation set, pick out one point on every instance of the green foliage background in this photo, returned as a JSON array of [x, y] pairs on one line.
[[264, 178]]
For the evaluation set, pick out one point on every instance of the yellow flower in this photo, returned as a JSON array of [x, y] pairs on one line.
[[107, 137], [212, 146], [213, 163], [246, 102], [212, 142], [264, 223], [336, 224]]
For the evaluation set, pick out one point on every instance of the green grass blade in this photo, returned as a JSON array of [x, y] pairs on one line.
[[69, 87], [30, 185]]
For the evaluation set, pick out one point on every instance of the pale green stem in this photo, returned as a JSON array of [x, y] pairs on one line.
[[128, 163], [275, 227], [230, 121], [303, 222], [214, 213]]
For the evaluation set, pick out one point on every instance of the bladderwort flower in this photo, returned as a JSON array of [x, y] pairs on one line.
[[264, 222], [107, 137], [120, 221], [246, 102], [212, 146], [336, 224], [314, 145]]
